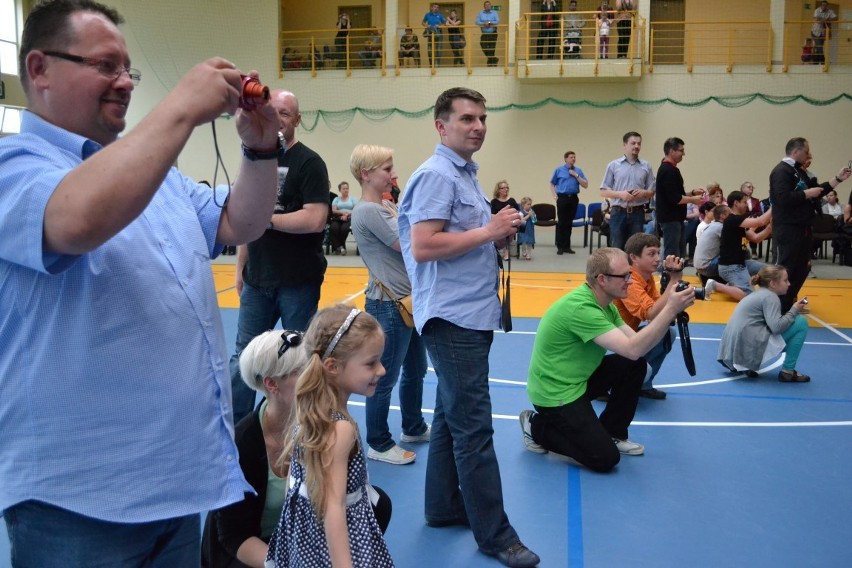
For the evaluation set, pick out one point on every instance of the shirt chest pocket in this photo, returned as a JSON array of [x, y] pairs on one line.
[[468, 213]]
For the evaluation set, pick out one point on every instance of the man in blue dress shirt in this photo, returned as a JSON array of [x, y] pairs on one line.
[[565, 184], [432, 22], [487, 20], [115, 401], [447, 235]]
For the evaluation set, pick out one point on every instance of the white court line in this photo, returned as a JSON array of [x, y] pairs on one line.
[[353, 296], [830, 328]]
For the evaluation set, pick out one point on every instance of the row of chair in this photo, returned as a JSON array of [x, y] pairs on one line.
[[590, 218]]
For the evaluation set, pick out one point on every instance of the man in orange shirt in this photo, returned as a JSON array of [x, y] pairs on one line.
[[644, 301]]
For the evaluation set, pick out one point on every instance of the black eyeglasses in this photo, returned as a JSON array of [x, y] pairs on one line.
[[289, 339], [105, 67], [626, 276]]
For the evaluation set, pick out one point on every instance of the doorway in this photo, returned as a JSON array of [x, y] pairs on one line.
[[668, 39]]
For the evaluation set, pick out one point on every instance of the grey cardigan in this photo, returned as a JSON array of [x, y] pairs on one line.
[[755, 318]]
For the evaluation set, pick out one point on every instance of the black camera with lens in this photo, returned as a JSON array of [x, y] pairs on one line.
[[699, 290]]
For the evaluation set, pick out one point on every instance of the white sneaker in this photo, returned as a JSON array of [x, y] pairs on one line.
[[709, 289], [529, 443], [396, 455], [424, 437], [629, 448]]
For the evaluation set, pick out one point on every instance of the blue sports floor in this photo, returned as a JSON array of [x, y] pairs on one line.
[[737, 472]]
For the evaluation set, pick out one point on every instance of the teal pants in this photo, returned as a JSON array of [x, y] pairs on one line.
[[794, 337]]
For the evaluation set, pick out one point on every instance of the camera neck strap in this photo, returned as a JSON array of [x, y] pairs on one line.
[[685, 343]]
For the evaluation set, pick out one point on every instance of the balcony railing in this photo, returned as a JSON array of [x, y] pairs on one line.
[[572, 37], [801, 48], [710, 43], [570, 42]]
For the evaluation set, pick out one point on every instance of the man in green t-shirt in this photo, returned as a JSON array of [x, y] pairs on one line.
[[570, 368]]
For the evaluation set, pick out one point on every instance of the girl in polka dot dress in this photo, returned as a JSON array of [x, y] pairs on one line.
[[330, 511]]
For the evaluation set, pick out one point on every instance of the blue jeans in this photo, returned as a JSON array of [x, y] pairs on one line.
[[260, 310], [739, 275], [44, 536], [403, 349], [656, 356], [622, 225], [462, 475], [672, 237]]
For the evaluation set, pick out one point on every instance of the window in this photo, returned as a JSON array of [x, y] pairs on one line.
[[10, 120], [8, 38]]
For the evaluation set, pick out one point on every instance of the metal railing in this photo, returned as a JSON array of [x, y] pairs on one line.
[[574, 36], [469, 48], [315, 50], [710, 43], [802, 48]]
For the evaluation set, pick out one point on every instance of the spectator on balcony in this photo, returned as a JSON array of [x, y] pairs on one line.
[[604, 17], [409, 47], [457, 41], [370, 54], [549, 29], [821, 30], [808, 51], [572, 26], [624, 24], [432, 21], [340, 43], [487, 20]]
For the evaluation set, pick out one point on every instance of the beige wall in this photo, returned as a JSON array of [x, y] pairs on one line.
[[727, 145]]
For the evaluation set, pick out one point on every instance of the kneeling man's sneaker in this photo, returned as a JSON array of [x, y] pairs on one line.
[[526, 428], [629, 448]]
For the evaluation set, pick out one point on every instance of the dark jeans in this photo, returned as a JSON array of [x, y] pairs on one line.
[[574, 430], [687, 245], [462, 474], [44, 536], [404, 350], [795, 243], [260, 310], [434, 45], [672, 238], [622, 225], [488, 43], [566, 209], [623, 28], [547, 38]]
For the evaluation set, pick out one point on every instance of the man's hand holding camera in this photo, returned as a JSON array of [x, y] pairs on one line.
[[504, 225]]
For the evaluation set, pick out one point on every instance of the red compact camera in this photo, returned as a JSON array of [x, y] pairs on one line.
[[254, 94]]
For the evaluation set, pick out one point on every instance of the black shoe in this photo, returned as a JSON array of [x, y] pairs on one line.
[[656, 394], [518, 556], [604, 397], [751, 374], [559, 251], [570, 251]]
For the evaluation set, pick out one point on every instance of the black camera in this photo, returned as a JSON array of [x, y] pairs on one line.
[[699, 291]]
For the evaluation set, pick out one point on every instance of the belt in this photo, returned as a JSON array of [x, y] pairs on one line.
[[629, 209], [351, 498]]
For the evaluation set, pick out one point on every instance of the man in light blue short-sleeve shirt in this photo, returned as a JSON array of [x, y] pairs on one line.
[[447, 236], [114, 389]]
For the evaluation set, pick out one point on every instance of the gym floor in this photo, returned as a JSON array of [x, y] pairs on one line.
[[737, 471]]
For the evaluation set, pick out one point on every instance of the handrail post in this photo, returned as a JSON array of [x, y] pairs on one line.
[[651, 51], [689, 54], [730, 49]]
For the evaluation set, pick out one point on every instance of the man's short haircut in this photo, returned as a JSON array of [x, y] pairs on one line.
[[638, 242], [48, 28], [630, 135], [745, 183], [600, 261], [444, 104], [672, 143], [707, 206], [735, 196], [719, 211], [569, 153], [795, 144], [368, 157]]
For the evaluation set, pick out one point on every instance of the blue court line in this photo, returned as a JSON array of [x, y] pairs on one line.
[[575, 519]]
